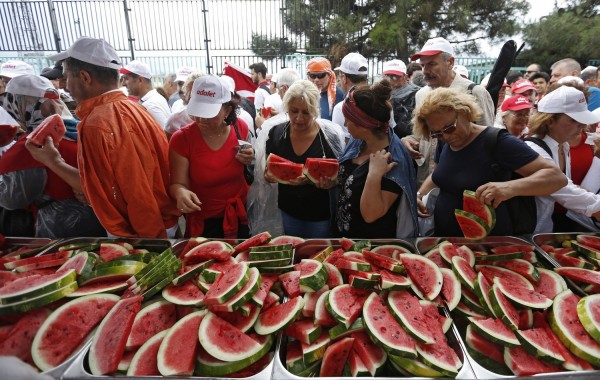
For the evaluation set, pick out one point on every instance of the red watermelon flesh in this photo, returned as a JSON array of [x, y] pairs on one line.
[[188, 291], [448, 251], [110, 251], [513, 248], [271, 300], [412, 312], [490, 272], [254, 241], [5, 331], [227, 338], [298, 330], [472, 226], [151, 320], [180, 346], [450, 293], [64, 335], [110, 338], [334, 277], [569, 261], [286, 239], [52, 126], [382, 261], [483, 346], [283, 172], [523, 364], [18, 343], [423, 273], [310, 301], [372, 356], [579, 274], [589, 240], [265, 286], [146, 363], [7, 133], [213, 250], [334, 256], [519, 293], [522, 267], [191, 243], [540, 337], [346, 243], [322, 316], [36, 259], [335, 358], [23, 284], [435, 256], [509, 314], [291, 283], [237, 318], [472, 205], [547, 285], [349, 301], [275, 158], [317, 168]]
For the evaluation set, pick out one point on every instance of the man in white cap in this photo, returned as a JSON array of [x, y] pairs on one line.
[[122, 152], [182, 75], [437, 59], [12, 69], [354, 70], [403, 95], [138, 80]]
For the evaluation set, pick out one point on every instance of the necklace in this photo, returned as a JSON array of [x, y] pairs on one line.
[[206, 134]]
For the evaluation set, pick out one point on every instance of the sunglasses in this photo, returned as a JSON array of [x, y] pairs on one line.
[[315, 76], [446, 131]]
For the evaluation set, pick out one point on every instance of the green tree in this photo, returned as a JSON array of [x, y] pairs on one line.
[[268, 48], [398, 27], [571, 31]]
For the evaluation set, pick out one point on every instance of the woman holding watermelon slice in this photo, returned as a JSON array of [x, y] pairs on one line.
[[377, 180]]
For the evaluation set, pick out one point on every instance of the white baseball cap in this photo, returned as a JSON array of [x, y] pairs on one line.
[[138, 68], [461, 70], [91, 50], [183, 73], [570, 101], [354, 64], [6, 119], [434, 46], [229, 81], [208, 95], [13, 69], [394, 67], [571, 79], [32, 85]]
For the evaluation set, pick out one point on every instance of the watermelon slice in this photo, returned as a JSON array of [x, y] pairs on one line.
[[589, 240], [7, 134], [313, 275], [291, 283], [424, 274], [178, 349], [224, 341], [151, 320], [109, 340], [472, 205], [451, 290], [522, 296], [345, 303], [448, 251], [335, 358], [495, 331], [322, 316], [538, 343], [372, 356], [334, 277], [355, 366], [52, 126], [316, 168], [482, 346], [407, 310], [228, 284], [522, 267], [27, 287], [523, 364], [472, 226], [304, 330], [242, 296], [19, 341], [111, 251], [212, 250], [310, 301], [295, 241], [213, 367], [283, 172], [503, 308], [490, 272], [278, 317], [579, 274], [50, 348], [256, 240], [239, 320], [588, 310], [145, 360]]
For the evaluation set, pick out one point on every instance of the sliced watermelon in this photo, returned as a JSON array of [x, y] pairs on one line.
[[211, 250], [52, 126], [579, 274], [538, 343], [27, 287], [316, 168], [179, 348], [345, 303], [372, 356], [228, 284], [523, 364], [424, 274], [448, 251], [111, 251], [239, 320], [186, 294], [503, 308], [20, 339], [464, 272], [472, 205], [322, 316], [315, 351], [304, 330], [451, 290], [472, 226], [482, 346], [213, 367], [588, 310], [495, 331], [335, 358], [151, 320], [522, 267], [278, 317], [490, 272], [256, 240], [522, 296], [145, 360]]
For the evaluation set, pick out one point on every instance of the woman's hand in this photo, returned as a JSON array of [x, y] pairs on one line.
[[245, 155], [187, 201], [268, 177], [325, 183], [494, 193], [379, 163], [299, 181], [422, 210]]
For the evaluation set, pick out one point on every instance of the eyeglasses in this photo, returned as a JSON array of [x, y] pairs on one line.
[[446, 131], [315, 76], [392, 76]]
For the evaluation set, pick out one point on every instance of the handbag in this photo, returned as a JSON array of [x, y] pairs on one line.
[[248, 169]]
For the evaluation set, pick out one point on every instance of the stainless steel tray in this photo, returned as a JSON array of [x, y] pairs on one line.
[[425, 244], [153, 245], [313, 246], [11, 244], [556, 239]]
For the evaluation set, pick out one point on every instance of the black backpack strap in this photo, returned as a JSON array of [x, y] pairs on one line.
[[266, 88], [491, 140], [541, 143]]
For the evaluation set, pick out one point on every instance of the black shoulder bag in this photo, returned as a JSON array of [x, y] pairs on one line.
[[248, 169]]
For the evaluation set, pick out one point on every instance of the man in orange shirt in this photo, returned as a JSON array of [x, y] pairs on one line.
[[122, 153]]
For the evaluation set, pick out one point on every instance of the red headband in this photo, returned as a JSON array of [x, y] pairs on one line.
[[358, 116]]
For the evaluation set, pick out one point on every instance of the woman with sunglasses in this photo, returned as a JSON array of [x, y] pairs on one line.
[[300, 207], [464, 162], [377, 183]]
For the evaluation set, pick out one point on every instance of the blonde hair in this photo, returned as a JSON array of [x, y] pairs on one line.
[[441, 100], [306, 91], [538, 123]]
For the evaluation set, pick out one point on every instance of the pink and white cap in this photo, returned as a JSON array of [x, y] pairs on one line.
[[209, 93], [570, 101], [13, 69], [138, 68], [32, 85], [521, 86], [434, 46], [516, 103], [183, 73], [394, 67], [91, 50]]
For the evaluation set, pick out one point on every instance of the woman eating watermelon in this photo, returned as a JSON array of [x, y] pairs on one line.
[[301, 206], [207, 163], [377, 183], [465, 163]]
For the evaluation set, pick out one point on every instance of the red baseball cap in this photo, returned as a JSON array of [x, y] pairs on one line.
[[521, 86], [516, 103]]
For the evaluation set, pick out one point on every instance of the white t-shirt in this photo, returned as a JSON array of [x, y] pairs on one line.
[[157, 105]]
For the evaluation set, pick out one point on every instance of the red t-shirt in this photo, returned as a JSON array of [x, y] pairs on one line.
[[581, 159], [215, 176]]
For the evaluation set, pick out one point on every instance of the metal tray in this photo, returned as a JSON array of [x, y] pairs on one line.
[[556, 239], [13, 243], [153, 245], [424, 244], [313, 246]]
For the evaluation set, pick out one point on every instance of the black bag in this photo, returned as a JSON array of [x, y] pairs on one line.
[[522, 209], [248, 169], [403, 109]]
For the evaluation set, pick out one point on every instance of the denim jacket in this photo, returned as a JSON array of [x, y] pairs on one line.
[[403, 175]]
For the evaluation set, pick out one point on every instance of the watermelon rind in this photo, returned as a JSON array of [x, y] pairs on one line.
[[464, 272], [222, 353], [244, 294], [195, 269], [39, 301], [149, 292], [163, 367], [315, 351], [479, 229], [586, 251], [487, 363], [270, 255], [229, 286], [587, 310], [62, 312], [110, 273], [411, 320], [340, 330], [272, 247], [285, 312], [141, 353], [157, 262], [494, 335], [268, 263], [448, 250], [323, 255], [483, 294], [503, 308], [451, 282], [529, 343], [277, 270], [362, 283], [565, 326], [427, 279], [312, 281], [84, 260], [415, 367], [466, 312], [439, 364], [29, 292], [523, 297], [212, 367]]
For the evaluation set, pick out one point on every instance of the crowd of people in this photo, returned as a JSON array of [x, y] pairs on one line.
[[189, 158]]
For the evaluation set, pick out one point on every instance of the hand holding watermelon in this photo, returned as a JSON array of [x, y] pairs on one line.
[[494, 193], [46, 154]]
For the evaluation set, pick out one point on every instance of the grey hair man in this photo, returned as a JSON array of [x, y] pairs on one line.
[[170, 87], [563, 68]]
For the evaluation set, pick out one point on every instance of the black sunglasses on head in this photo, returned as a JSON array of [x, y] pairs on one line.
[[315, 76]]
